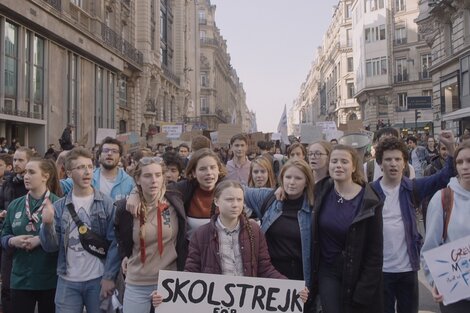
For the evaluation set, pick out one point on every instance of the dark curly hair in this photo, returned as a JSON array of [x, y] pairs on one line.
[[390, 143]]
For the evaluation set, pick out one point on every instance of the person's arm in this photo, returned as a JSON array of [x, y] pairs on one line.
[[255, 197], [193, 260], [370, 277], [434, 231], [113, 262]]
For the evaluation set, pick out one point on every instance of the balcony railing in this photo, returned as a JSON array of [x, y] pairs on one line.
[[401, 41], [209, 41], [403, 77], [170, 75], [19, 113], [113, 40], [56, 4], [202, 21]]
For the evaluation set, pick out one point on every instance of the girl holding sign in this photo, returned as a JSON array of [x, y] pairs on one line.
[[230, 244], [446, 224], [155, 239], [33, 277]]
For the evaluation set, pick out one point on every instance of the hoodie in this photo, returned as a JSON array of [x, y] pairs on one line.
[[458, 223]]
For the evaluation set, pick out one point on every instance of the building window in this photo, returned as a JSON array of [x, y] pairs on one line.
[[426, 62], [348, 11], [402, 71], [202, 34], [400, 5], [72, 104], [99, 105], [204, 79], [122, 126], [202, 16], [373, 34], [122, 85], [350, 64], [165, 33], [78, 3], [376, 67], [376, 5], [402, 101], [400, 36], [350, 90], [34, 74], [204, 105], [11, 60], [465, 79], [111, 100]]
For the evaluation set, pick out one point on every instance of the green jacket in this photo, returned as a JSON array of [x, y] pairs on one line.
[[32, 270]]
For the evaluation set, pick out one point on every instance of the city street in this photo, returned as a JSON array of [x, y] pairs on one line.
[[426, 302]]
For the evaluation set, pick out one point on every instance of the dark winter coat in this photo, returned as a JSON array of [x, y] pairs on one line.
[[65, 140], [13, 188], [124, 224], [203, 255], [362, 286]]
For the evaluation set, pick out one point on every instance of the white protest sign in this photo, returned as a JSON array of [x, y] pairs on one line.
[[310, 133], [276, 136], [214, 137], [326, 125], [172, 131], [203, 293], [450, 267], [105, 132]]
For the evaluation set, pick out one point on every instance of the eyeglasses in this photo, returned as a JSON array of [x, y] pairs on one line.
[[150, 160], [316, 154], [84, 167], [108, 150]]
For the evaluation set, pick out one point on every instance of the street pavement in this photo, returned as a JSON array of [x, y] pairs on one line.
[[426, 302]]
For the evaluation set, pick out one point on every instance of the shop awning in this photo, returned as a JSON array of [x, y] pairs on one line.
[[458, 114]]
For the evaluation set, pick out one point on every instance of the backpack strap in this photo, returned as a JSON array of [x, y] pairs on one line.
[[447, 200], [267, 202]]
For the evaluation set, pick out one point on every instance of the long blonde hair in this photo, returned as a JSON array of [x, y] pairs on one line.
[[266, 164], [305, 169]]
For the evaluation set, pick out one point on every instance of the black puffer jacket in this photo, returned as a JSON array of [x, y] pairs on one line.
[[124, 224], [362, 286]]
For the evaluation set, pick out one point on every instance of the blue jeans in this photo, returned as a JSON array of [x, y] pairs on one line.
[[137, 298], [70, 297], [402, 289]]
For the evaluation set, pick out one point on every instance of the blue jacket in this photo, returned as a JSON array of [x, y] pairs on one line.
[[254, 198], [55, 237], [122, 188], [417, 189]]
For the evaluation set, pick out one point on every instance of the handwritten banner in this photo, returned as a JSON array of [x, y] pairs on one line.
[[450, 267], [203, 293]]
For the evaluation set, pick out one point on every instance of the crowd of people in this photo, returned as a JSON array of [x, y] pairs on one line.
[[92, 228]]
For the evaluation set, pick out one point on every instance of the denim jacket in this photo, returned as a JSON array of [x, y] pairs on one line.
[[254, 198], [122, 188], [55, 237], [419, 189]]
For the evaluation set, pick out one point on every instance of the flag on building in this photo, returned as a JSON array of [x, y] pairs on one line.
[[282, 127]]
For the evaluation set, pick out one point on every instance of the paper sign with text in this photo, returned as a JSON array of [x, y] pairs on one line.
[[450, 267], [204, 293]]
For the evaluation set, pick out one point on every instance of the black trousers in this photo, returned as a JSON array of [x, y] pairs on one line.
[[401, 289], [458, 307], [24, 301], [6, 264]]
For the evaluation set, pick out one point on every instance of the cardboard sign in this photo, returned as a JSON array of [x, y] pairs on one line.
[[130, 141], [103, 133], [226, 132], [214, 137], [450, 267], [202, 293], [310, 133], [173, 131]]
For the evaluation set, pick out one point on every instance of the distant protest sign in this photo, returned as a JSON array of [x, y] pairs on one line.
[[450, 267], [173, 131], [203, 293], [130, 141], [310, 133], [105, 132]]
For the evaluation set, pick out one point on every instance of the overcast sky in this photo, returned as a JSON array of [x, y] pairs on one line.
[[272, 44]]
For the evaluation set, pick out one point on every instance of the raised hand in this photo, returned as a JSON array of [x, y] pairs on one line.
[[448, 140], [48, 213]]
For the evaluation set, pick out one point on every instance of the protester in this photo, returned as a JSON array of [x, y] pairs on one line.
[[347, 244], [33, 276], [297, 150], [3, 145], [319, 158], [287, 224], [230, 244], [173, 167], [402, 241], [238, 168], [6, 165], [87, 267], [417, 156], [431, 151], [444, 226], [13, 188], [154, 240], [65, 141], [200, 142], [261, 173]]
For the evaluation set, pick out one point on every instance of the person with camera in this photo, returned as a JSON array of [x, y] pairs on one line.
[[81, 227]]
